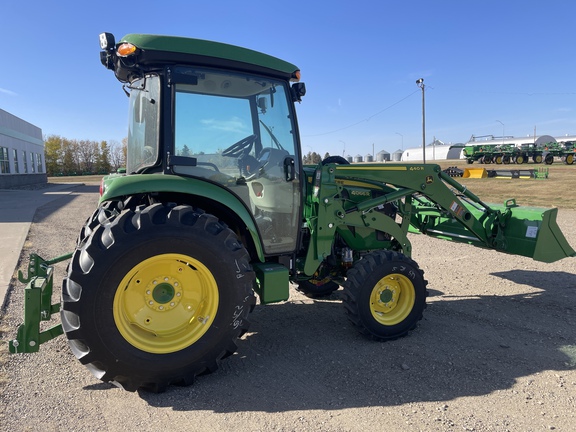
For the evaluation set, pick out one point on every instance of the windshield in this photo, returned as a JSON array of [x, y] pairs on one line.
[[143, 124]]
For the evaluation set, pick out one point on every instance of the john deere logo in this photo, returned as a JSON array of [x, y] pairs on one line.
[[429, 179]]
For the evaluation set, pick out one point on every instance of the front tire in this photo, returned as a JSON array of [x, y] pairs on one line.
[[156, 296], [385, 295]]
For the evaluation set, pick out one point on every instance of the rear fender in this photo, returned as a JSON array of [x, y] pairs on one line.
[[114, 187]]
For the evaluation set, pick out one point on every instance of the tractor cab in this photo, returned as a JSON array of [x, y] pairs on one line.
[[219, 113]]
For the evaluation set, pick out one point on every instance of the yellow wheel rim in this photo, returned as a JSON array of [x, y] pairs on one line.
[[570, 159], [166, 303], [392, 299]]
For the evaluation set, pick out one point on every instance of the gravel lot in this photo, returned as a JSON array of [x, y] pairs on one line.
[[496, 351]]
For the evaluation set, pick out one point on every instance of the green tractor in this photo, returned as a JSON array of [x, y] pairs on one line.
[[215, 205]]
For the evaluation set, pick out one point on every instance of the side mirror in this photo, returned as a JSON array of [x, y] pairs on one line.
[[262, 104], [298, 90]]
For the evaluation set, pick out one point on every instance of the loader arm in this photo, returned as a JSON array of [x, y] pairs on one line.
[[429, 202]]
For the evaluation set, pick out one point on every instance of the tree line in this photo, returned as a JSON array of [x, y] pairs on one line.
[[66, 157], [313, 158]]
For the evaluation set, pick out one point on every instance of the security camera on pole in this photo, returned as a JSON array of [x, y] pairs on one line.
[[420, 83]]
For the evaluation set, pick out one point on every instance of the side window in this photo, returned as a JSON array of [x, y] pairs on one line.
[[207, 124], [276, 130], [4, 162], [16, 167]]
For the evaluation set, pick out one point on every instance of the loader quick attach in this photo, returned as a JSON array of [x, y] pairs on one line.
[[215, 205]]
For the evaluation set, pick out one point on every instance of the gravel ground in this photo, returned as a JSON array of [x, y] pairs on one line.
[[496, 351]]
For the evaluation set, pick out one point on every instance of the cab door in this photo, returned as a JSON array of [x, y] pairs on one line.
[[240, 131], [275, 190]]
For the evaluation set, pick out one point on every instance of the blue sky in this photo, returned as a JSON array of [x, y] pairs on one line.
[[490, 67]]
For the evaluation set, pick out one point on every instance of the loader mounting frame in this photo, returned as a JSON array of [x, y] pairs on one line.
[[38, 305]]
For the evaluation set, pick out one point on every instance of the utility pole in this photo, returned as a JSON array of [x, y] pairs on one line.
[[503, 134]]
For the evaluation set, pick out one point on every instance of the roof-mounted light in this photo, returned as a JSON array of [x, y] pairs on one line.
[[126, 49], [107, 41], [295, 76]]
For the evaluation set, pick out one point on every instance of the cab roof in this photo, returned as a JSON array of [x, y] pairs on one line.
[[156, 50]]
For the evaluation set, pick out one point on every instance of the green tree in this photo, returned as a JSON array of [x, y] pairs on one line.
[[185, 151], [69, 157], [316, 158], [103, 165], [312, 158], [53, 155], [87, 155]]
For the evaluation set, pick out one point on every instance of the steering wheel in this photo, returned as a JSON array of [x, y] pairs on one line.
[[241, 147]]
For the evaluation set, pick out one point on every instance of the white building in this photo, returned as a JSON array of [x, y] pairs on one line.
[[435, 151], [21, 152]]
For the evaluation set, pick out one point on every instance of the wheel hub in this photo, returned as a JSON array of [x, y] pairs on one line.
[[386, 295], [163, 293]]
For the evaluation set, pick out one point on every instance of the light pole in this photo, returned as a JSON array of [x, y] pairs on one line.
[[402, 140], [502, 131], [344, 149], [420, 83]]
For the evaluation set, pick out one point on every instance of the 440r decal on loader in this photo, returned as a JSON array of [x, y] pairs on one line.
[[215, 205]]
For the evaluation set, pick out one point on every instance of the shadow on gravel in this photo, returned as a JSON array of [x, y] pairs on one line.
[[63, 201], [538, 279], [22, 205], [307, 356]]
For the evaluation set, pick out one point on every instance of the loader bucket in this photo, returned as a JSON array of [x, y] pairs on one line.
[[533, 232], [475, 173]]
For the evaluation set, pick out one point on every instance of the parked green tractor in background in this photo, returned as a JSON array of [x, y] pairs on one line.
[[215, 205]]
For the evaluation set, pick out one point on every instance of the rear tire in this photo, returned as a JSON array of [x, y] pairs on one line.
[[156, 296], [385, 295], [104, 213]]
